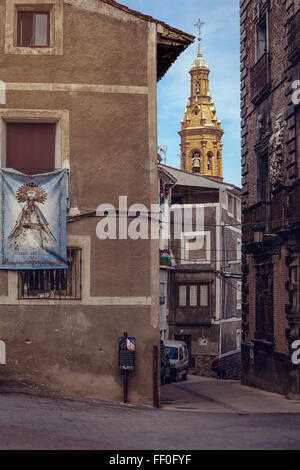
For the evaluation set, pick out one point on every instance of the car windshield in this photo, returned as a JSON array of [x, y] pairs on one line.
[[172, 353]]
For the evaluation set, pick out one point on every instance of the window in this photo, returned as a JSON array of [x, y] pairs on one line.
[[238, 210], [238, 295], [63, 284], [295, 288], [261, 38], [264, 302], [196, 162], [30, 147], [54, 143], [195, 248], [230, 203], [239, 250], [218, 162], [33, 29], [263, 178], [193, 295], [209, 161]]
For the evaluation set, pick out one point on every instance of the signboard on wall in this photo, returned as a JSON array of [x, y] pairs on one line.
[[127, 353]]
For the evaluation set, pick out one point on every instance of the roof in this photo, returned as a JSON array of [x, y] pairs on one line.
[[185, 178], [171, 41], [163, 171]]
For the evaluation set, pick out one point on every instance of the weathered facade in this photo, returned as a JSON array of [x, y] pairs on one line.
[[86, 69], [270, 45], [167, 263], [205, 286]]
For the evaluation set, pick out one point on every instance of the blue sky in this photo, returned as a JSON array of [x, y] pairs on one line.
[[220, 45]]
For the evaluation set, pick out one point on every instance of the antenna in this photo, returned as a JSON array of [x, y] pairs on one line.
[[162, 150]]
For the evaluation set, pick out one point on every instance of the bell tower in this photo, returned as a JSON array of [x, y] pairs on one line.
[[201, 133]]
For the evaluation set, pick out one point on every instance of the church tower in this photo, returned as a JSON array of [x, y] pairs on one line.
[[201, 133]]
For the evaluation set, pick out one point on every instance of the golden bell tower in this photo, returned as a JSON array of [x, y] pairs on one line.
[[201, 133]]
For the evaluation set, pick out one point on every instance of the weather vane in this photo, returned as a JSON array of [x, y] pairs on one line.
[[199, 25]]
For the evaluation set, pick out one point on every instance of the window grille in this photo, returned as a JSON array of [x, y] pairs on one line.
[[63, 284]]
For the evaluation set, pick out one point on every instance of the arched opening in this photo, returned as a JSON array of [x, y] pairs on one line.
[[218, 162], [209, 161], [196, 161]]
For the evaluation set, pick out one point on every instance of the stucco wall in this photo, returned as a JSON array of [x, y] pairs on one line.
[[105, 82]]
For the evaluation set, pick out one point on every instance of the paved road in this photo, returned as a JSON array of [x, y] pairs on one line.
[[223, 396], [28, 422]]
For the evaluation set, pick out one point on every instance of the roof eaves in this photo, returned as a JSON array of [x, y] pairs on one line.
[[185, 36]]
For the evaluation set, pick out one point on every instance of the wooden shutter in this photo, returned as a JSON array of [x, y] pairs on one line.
[[30, 147], [25, 29]]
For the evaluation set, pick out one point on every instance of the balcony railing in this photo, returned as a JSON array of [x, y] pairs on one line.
[[256, 218], [294, 35], [260, 76]]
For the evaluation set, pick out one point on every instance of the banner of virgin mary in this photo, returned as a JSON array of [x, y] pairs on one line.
[[33, 220]]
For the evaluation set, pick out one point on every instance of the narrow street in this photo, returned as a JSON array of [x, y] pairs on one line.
[[198, 414], [223, 396]]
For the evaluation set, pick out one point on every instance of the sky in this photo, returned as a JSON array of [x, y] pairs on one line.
[[220, 46]]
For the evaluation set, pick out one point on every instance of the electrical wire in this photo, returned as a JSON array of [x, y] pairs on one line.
[[149, 217]]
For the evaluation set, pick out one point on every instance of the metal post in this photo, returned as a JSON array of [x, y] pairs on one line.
[[125, 378], [125, 381], [155, 377]]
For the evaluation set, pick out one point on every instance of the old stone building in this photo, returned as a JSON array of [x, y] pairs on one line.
[[205, 288], [205, 285], [77, 75], [270, 51]]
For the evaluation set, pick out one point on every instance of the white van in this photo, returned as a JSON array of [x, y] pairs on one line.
[[177, 353]]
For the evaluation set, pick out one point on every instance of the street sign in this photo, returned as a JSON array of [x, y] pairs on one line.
[[127, 353]]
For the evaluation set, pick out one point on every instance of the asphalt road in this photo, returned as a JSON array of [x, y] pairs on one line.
[[29, 422]]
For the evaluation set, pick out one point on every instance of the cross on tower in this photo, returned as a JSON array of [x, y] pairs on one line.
[[199, 25]]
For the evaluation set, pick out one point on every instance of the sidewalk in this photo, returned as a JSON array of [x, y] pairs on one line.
[[223, 396]]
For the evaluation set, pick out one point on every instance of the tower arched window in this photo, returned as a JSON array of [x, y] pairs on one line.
[[196, 161], [209, 160], [218, 161]]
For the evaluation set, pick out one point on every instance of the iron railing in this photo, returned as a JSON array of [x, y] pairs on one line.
[[63, 284], [256, 217]]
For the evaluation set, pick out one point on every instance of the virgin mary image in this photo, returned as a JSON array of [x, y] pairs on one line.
[[31, 232]]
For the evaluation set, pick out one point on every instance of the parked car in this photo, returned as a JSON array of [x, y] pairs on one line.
[[177, 353], [165, 365]]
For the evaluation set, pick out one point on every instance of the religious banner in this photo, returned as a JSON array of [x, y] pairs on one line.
[[33, 220]]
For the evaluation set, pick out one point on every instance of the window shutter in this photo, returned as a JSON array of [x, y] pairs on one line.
[[182, 296], [203, 295], [30, 146]]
